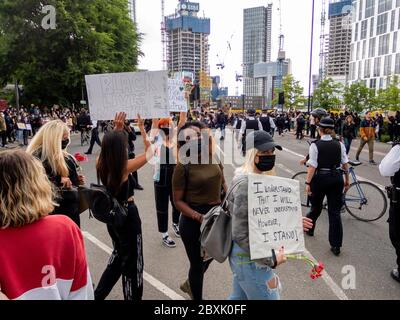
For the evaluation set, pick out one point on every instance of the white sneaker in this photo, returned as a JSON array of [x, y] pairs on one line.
[[168, 242], [175, 227]]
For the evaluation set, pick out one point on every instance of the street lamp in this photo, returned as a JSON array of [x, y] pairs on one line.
[[311, 56]]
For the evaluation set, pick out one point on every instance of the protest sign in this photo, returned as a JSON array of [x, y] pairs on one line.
[[275, 218], [176, 94], [21, 126], [144, 93]]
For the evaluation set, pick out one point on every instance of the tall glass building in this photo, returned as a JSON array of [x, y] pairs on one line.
[[375, 52], [132, 9], [257, 26]]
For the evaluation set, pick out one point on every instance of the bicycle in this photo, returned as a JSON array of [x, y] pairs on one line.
[[358, 198]]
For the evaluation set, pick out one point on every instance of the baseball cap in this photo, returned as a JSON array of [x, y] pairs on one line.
[[261, 141]]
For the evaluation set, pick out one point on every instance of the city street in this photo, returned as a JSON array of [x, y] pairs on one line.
[[367, 249]]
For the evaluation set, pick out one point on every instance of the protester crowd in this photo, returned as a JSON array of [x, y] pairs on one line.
[[40, 199]]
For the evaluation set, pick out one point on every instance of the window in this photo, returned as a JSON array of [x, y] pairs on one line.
[[372, 27], [352, 52], [394, 42], [367, 68], [360, 10], [372, 83], [387, 65], [359, 69], [364, 49], [381, 26], [358, 50], [356, 33], [369, 8], [372, 46], [364, 27], [392, 20], [384, 5], [383, 45], [377, 67], [397, 64]]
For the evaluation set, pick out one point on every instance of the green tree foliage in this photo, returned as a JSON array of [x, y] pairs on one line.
[[357, 97], [294, 98], [389, 98], [91, 36], [328, 95]]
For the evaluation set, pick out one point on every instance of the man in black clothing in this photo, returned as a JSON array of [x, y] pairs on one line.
[[221, 123], [94, 137], [250, 124]]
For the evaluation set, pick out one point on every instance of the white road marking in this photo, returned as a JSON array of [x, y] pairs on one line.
[[149, 278]]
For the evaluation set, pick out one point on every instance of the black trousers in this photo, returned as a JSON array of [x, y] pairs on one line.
[[394, 229], [190, 233], [299, 133], [163, 195], [3, 135], [313, 130], [330, 185], [94, 139], [126, 259]]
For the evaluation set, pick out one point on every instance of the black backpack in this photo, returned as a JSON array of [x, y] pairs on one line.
[[103, 206]]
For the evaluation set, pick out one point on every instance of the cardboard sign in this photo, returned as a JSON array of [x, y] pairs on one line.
[[144, 93], [176, 96], [275, 217], [21, 126], [28, 127]]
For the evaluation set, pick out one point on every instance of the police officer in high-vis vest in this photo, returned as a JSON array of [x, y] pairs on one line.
[[249, 125], [328, 160], [390, 167]]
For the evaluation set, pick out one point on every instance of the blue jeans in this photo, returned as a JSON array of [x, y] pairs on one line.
[[347, 143], [250, 281]]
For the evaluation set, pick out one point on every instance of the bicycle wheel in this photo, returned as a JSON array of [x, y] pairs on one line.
[[301, 177], [368, 209]]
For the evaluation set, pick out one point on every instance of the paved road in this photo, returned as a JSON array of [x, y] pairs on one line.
[[367, 247]]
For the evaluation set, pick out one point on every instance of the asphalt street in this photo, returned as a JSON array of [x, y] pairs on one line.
[[362, 271]]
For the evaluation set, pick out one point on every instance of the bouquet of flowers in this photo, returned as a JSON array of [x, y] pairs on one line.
[[316, 268], [80, 157]]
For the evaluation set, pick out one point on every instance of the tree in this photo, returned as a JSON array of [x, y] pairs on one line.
[[293, 91], [357, 97], [328, 95], [93, 36], [389, 98]]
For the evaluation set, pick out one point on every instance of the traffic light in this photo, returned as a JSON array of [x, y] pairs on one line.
[[281, 100]]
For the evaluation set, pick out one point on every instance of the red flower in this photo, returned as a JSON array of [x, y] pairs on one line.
[[80, 158]]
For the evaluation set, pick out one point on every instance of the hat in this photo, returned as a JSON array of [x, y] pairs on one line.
[[327, 123], [261, 141], [251, 111]]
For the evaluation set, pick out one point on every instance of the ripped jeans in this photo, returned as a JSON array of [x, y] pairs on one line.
[[250, 281]]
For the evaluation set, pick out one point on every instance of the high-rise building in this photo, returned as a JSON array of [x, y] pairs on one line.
[[257, 27], [375, 52], [339, 41], [187, 41], [132, 9]]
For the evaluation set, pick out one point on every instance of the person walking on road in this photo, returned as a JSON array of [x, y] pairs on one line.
[[114, 170], [42, 256], [251, 123], [325, 179], [390, 167], [255, 280], [367, 133], [267, 122], [94, 137], [349, 132], [197, 184]]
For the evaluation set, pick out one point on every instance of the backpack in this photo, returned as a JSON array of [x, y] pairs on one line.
[[216, 230], [103, 206]]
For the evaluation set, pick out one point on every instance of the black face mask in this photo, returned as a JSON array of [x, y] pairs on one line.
[[64, 144], [166, 131], [266, 163]]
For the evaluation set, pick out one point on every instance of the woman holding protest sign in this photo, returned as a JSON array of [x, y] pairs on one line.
[[253, 280]]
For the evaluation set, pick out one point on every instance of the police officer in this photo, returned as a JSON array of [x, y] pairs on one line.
[[267, 122], [390, 167], [328, 160], [250, 124]]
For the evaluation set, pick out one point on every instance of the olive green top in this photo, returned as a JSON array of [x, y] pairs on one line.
[[204, 183]]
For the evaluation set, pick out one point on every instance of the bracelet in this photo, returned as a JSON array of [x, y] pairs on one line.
[[308, 183]]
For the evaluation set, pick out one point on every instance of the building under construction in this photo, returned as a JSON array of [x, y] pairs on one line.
[[339, 42], [187, 44]]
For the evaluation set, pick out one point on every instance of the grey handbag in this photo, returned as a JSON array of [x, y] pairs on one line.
[[216, 230]]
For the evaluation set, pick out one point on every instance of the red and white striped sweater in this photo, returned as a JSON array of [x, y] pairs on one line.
[[44, 261]]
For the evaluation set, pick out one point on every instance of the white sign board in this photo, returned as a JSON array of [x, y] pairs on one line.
[[176, 94], [275, 218], [144, 93]]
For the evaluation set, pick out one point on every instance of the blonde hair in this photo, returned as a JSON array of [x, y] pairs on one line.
[[249, 164], [47, 141], [26, 194]]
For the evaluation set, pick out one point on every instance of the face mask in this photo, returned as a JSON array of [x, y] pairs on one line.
[[64, 144], [266, 163], [166, 131]]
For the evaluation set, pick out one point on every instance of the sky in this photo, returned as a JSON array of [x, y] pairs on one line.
[[227, 25]]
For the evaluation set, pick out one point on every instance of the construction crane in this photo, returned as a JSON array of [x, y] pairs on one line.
[[322, 53], [163, 36], [281, 57], [221, 63]]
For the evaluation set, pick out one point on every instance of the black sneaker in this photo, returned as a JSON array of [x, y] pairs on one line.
[[395, 275], [139, 187], [88, 152], [185, 287], [175, 227], [372, 162], [335, 251], [168, 242]]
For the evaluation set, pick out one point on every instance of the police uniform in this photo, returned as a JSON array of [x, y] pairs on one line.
[[390, 167], [268, 124], [327, 155], [252, 124]]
